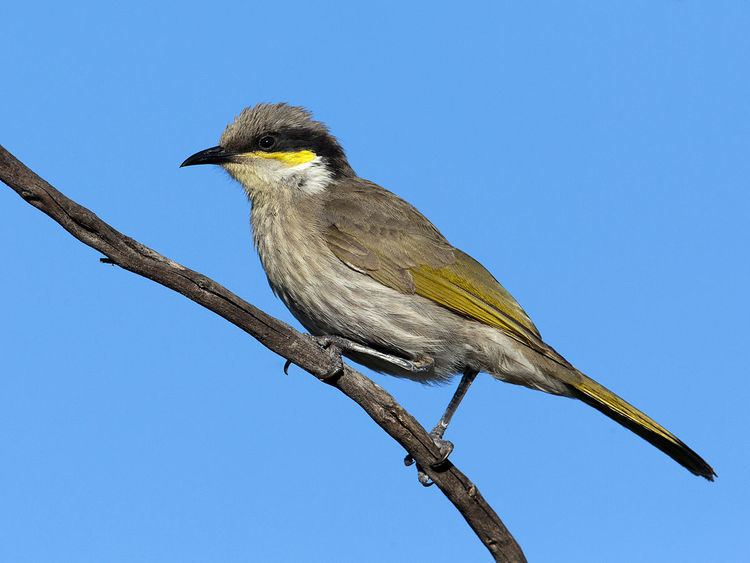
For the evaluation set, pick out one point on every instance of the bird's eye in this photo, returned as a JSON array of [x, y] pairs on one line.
[[266, 142]]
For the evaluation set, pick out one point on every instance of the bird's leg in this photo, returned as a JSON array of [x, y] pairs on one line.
[[436, 433], [468, 378], [338, 345]]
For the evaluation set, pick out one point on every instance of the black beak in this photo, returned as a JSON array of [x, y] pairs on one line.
[[214, 155]]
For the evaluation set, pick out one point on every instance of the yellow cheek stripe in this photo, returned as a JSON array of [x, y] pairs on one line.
[[288, 158]]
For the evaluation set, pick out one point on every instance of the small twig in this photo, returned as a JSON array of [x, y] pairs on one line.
[[275, 335]]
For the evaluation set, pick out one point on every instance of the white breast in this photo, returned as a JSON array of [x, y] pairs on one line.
[[328, 297]]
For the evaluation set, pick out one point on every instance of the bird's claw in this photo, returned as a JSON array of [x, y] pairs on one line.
[[423, 478], [444, 447], [333, 347]]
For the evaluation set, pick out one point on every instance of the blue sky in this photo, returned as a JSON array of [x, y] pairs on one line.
[[594, 156]]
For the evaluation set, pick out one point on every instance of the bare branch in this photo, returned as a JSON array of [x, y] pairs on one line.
[[275, 335]]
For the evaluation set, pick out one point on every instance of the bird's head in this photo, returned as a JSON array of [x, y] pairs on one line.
[[277, 146]]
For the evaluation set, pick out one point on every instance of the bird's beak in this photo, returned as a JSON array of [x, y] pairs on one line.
[[214, 155]]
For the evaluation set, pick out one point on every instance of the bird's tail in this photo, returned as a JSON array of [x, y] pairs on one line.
[[605, 401]]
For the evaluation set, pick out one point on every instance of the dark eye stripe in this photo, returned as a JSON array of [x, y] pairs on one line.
[[293, 139]]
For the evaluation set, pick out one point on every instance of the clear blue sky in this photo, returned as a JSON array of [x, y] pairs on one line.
[[594, 156]]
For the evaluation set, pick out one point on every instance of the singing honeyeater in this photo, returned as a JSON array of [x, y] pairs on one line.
[[364, 269]]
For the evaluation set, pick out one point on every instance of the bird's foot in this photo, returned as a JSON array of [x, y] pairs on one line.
[[445, 448], [334, 346]]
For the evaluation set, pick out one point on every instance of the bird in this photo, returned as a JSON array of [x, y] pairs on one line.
[[372, 278]]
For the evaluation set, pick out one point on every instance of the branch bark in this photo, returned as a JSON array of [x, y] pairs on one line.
[[275, 335]]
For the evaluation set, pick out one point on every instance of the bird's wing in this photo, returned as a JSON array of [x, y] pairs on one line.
[[378, 234]]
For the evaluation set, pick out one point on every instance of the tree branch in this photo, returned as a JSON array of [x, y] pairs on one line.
[[275, 335]]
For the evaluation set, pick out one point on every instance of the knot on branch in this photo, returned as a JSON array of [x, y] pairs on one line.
[[30, 197]]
